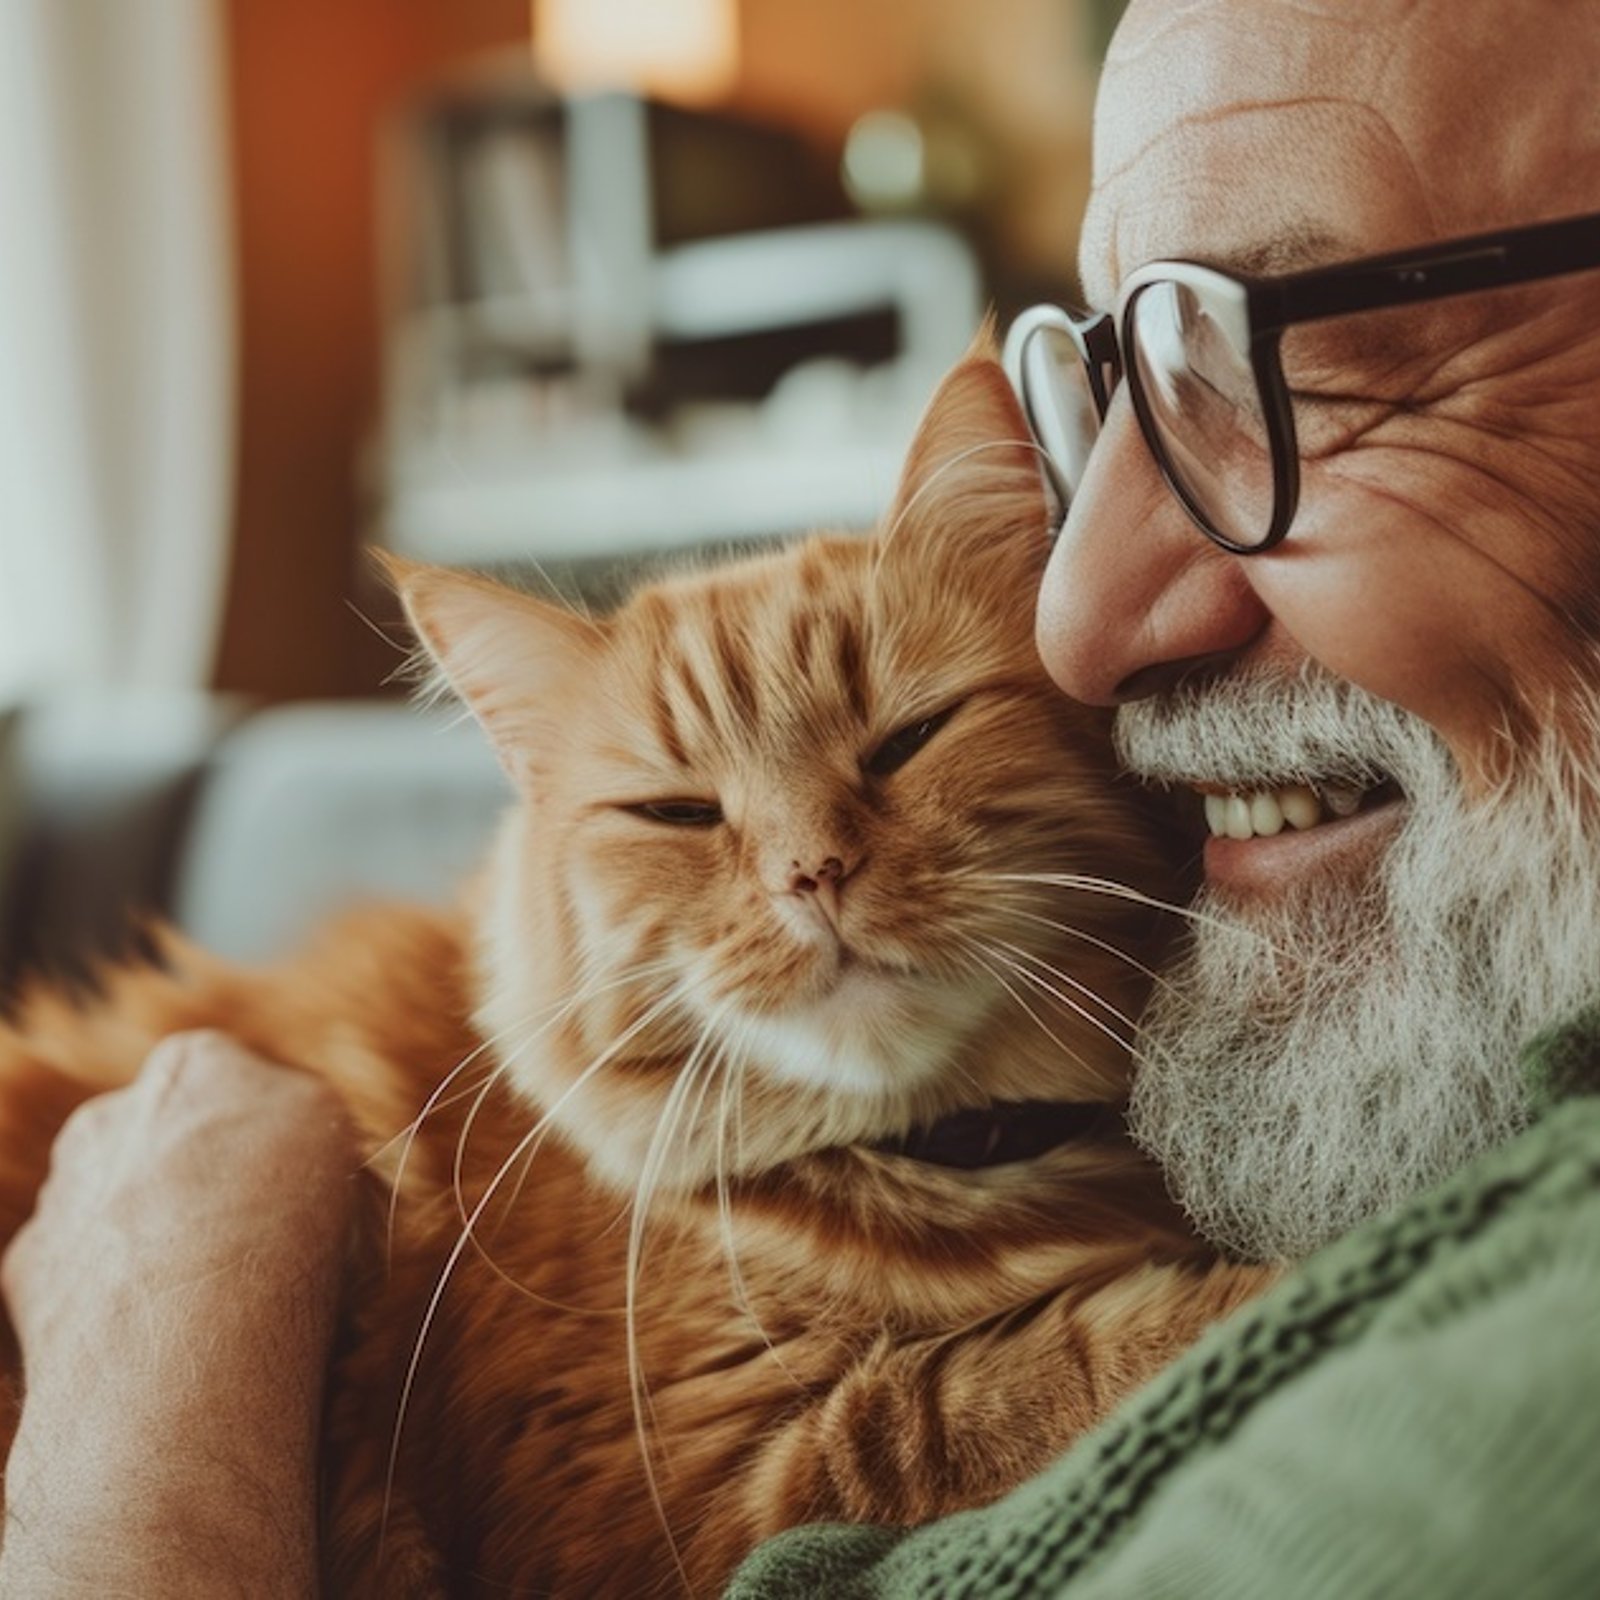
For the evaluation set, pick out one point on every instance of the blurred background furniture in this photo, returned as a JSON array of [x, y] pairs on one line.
[[244, 831], [618, 326]]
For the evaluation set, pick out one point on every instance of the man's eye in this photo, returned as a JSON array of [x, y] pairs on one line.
[[679, 813], [900, 746]]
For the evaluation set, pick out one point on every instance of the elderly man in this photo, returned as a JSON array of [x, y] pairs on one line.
[[1407, 631], [1332, 554]]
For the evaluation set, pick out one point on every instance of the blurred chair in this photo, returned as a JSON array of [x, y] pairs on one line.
[[310, 809], [244, 830], [100, 790]]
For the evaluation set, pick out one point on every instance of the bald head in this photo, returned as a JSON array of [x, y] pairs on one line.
[[1391, 124]]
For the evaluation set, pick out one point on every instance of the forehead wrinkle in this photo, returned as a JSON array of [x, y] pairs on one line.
[[1489, 125], [1293, 247], [1181, 186]]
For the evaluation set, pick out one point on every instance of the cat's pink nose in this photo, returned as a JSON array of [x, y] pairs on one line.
[[808, 880]]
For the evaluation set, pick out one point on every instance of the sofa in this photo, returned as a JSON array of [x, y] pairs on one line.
[[243, 826]]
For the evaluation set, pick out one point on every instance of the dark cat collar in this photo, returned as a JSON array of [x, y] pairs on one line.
[[992, 1136]]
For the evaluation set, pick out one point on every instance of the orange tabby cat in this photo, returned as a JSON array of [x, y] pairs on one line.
[[770, 1168]]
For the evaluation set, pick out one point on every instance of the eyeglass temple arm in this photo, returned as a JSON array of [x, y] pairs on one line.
[[1102, 353], [1488, 261]]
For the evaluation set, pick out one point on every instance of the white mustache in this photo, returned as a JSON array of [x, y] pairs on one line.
[[1262, 728]]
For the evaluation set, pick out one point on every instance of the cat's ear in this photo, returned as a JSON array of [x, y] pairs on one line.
[[973, 474], [510, 657]]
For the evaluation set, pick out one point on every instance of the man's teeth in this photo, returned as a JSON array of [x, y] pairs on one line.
[[1342, 802], [1257, 816]]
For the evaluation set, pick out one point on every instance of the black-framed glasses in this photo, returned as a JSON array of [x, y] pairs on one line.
[[1201, 347]]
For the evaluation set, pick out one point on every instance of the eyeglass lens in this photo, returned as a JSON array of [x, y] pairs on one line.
[[1205, 411], [1061, 405]]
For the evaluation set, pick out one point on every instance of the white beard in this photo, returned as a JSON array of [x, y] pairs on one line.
[[1315, 1061]]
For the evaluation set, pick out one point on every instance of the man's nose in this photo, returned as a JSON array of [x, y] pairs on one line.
[[1135, 596]]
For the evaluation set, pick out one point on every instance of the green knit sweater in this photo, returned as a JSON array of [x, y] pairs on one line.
[[1415, 1412]]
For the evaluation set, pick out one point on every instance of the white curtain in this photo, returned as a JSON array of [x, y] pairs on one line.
[[116, 343]]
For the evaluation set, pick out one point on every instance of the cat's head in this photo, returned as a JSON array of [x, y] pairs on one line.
[[780, 865]]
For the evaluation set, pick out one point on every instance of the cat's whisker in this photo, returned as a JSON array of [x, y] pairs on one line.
[[987, 963], [1136, 1047], [644, 1192], [1122, 891], [432, 1104], [1075, 984], [1089, 883], [738, 1101], [564, 1009], [411, 1131], [458, 1161], [1045, 986], [531, 1155], [561, 1009], [1110, 949], [434, 1101], [733, 1088], [656, 1154], [999, 905], [730, 1077], [431, 1311], [512, 1200]]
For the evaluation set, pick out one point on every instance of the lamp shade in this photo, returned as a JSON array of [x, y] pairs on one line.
[[685, 50]]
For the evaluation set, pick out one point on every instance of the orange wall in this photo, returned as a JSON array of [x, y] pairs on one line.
[[1014, 69], [308, 80], [825, 62]]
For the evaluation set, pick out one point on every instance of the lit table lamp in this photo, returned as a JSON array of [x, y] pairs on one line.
[[681, 50]]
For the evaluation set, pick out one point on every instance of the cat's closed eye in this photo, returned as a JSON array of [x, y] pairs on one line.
[[678, 813], [905, 742]]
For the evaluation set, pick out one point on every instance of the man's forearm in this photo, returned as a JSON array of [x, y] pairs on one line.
[[163, 1495]]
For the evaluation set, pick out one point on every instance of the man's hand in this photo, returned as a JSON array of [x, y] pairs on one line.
[[174, 1298]]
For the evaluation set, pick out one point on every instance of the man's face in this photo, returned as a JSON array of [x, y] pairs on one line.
[[1424, 623]]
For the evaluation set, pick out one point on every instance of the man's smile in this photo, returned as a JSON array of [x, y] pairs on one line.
[[1263, 812], [1263, 839]]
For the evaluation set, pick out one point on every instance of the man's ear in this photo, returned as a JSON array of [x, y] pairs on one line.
[[973, 475], [511, 658]]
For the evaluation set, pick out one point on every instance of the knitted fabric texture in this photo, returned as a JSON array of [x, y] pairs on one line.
[[1415, 1412]]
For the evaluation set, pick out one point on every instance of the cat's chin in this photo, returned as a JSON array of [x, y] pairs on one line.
[[875, 1033]]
